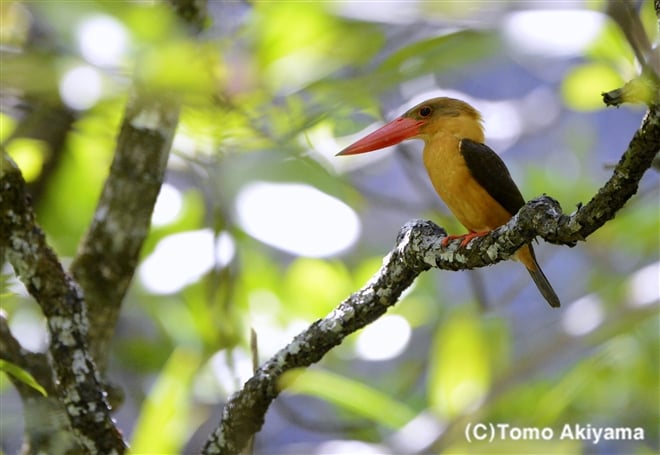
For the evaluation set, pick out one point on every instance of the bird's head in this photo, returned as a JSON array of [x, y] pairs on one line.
[[434, 116]]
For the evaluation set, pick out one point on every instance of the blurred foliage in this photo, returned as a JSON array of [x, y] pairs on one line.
[[577, 85], [267, 92], [464, 353], [166, 420], [352, 395]]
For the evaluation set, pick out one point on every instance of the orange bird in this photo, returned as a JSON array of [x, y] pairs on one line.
[[469, 176]]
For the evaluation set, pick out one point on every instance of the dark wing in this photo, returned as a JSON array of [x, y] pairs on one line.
[[491, 173]]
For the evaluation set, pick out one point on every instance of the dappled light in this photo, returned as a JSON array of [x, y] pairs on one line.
[[81, 87], [644, 288], [297, 218], [534, 32], [103, 41], [583, 315], [385, 339], [168, 205], [28, 327], [183, 258], [230, 369]]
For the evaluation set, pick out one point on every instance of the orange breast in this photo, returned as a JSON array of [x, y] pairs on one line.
[[467, 200]]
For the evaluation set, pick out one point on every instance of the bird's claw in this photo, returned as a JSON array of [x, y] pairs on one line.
[[465, 238]]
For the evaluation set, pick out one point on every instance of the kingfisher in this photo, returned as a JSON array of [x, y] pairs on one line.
[[469, 176]]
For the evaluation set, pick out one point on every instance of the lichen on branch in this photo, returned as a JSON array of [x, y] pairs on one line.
[[23, 245]]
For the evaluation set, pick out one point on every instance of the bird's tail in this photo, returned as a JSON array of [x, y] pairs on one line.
[[528, 258], [544, 286]]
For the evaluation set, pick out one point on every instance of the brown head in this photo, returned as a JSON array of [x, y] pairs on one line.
[[435, 116]]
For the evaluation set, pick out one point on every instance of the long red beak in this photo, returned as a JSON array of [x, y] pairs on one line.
[[390, 134]]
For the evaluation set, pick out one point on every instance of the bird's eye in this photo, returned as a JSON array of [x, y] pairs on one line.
[[425, 111]]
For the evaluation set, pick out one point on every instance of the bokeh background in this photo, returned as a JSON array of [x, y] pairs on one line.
[[259, 226]]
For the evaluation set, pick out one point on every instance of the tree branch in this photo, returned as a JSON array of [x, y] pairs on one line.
[[419, 248], [105, 265], [23, 244], [107, 258]]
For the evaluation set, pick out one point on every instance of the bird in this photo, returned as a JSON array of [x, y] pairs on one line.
[[469, 176]]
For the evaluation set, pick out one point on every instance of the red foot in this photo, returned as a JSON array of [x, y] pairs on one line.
[[466, 237]]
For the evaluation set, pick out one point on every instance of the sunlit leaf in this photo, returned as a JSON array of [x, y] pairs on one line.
[[649, 18], [349, 394], [7, 125], [29, 155], [165, 420], [460, 370], [182, 68], [583, 85], [303, 37], [151, 23], [85, 164], [314, 287], [22, 375], [611, 47]]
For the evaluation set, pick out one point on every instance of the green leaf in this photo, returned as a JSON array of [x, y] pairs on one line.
[[349, 394], [29, 155], [166, 422], [583, 85], [7, 126], [180, 68], [314, 286], [319, 43], [64, 210], [22, 375], [437, 54], [612, 47], [460, 364]]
